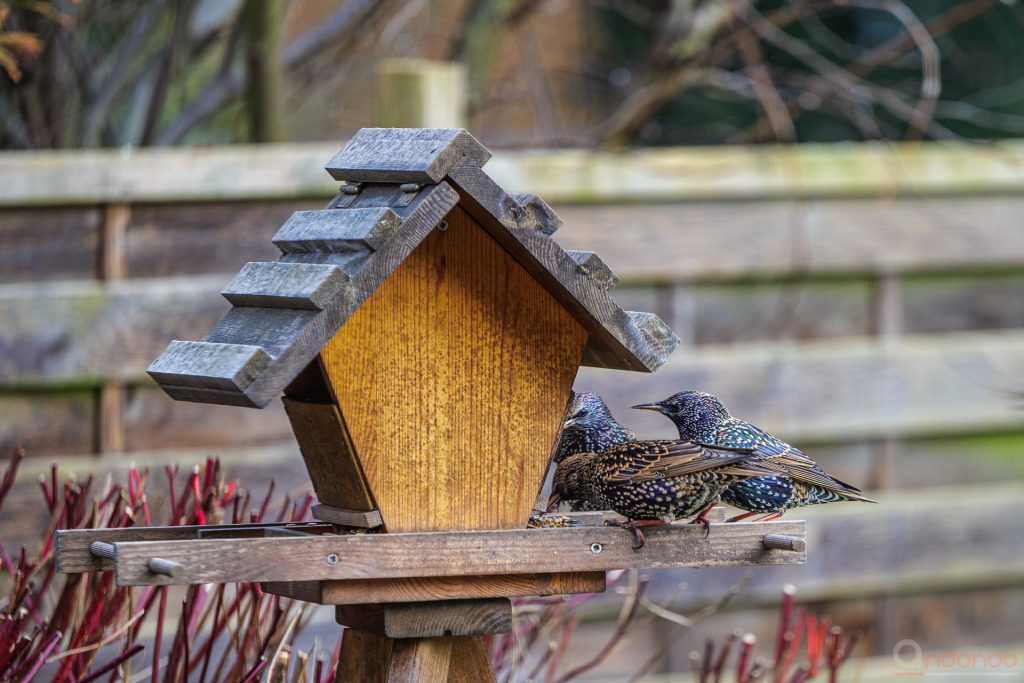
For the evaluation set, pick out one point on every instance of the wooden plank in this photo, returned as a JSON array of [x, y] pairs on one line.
[[154, 421], [84, 332], [330, 457], [420, 660], [457, 553], [951, 304], [614, 340], [111, 432], [708, 240], [470, 661], [840, 390], [405, 155], [368, 591], [49, 244], [458, 312], [51, 423], [430, 619], [88, 177], [73, 554], [285, 285], [211, 237]]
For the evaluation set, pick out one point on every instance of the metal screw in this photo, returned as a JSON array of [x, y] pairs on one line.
[[442, 226], [333, 559], [596, 548]]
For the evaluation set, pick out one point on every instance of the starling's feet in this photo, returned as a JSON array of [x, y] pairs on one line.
[[740, 518], [702, 518], [635, 525], [769, 517]]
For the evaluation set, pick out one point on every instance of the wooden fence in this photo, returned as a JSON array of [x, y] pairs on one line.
[[865, 300]]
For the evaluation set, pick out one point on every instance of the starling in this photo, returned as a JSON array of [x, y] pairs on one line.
[[800, 481], [651, 482], [589, 427]]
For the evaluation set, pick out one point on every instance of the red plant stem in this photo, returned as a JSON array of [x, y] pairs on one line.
[[719, 666], [318, 670], [214, 633], [785, 623], [335, 657], [11, 472], [255, 671], [790, 655], [161, 613], [41, 658], [743, 665], [113, 664]]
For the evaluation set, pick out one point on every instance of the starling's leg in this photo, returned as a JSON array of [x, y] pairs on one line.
[[702, 518], [739, 518], [771, 516]]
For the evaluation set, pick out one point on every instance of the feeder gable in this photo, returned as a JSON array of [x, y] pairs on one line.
[[401, 184]]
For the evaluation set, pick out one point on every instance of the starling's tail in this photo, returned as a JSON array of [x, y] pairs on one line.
[[855, 495]]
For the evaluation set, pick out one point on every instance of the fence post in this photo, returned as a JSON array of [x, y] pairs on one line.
[[420, 93]]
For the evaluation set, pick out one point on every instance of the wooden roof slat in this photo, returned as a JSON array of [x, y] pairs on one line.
[[404, 155], [286, 285]]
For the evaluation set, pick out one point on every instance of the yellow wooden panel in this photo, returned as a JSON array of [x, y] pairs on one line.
[[452, 379]]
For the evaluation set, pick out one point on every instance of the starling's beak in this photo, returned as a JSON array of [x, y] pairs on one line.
[[657, 407], [553, 502], [569, 423]]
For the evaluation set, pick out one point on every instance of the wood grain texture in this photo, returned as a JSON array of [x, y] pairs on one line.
[[49, 244], [420, 660], [470, 662], [401, 155], [841, 390], [614, 342], [210, 365], [365, 658], [285, 285], [430, 619], [337, 230], [52, 423], [728, 172], [596, 268], [72, 545], [452, 378], [789, 238], [82, 333], [330, 457], [369, 591], [459, 553]]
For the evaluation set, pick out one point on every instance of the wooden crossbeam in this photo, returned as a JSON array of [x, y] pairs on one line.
[[466, 553]]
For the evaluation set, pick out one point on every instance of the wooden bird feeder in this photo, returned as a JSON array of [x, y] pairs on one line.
[[424, 331]]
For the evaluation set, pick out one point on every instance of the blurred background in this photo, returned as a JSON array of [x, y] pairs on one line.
[[823, 199]]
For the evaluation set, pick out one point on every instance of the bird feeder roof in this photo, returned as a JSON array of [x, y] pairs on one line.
[[399, 186]]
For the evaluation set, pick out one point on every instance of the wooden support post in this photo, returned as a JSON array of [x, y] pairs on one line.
[[421, 93], [113, 266]]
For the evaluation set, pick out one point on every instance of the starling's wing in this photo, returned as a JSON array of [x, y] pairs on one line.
[[778, 455], [641, 461]]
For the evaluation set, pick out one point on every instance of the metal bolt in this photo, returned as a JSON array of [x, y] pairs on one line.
[[410, 187], [596, 548], [333, 559], [442, 226]]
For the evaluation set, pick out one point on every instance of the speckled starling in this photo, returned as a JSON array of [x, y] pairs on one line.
[[589, 427], [651, 482], [800, 481]]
